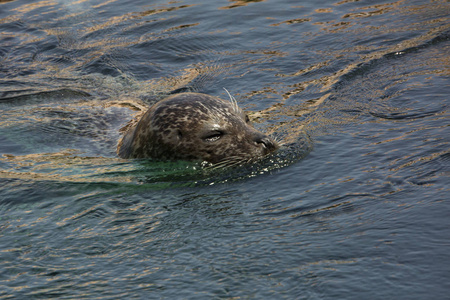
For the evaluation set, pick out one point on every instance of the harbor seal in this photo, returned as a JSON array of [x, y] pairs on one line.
[[194, 126]]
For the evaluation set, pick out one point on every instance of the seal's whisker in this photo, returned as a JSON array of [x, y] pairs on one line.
[[233, 101], [227, 162], [277, 138]]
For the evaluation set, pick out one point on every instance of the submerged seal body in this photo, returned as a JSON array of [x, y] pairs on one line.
[[194, 126]]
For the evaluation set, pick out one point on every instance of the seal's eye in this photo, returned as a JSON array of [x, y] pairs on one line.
[[247, 119], [213, 136]]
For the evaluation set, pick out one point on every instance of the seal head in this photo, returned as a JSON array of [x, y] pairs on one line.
[[194, 126]]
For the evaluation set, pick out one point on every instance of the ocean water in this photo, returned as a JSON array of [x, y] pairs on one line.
[[354, 206]]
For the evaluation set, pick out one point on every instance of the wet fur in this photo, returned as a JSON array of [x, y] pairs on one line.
[[182, 127]]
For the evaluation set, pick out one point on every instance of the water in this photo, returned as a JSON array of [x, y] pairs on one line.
[[354, 207]]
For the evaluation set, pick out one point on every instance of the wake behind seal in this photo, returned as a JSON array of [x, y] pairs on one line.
[[194, 126]]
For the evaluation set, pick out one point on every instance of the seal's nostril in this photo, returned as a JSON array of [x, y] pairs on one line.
[[266, 142], [262, 142]]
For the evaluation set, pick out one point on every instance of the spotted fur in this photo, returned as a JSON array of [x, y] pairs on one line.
[[193, 126]]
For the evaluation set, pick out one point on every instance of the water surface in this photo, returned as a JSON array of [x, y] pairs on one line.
[[354, 207]]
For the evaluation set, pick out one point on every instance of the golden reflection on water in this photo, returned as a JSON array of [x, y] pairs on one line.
[[238, 3], [66, 165], [26, 8], [293, 21]]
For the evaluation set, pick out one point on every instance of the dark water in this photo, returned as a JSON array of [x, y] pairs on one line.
[[354, 207]]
